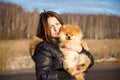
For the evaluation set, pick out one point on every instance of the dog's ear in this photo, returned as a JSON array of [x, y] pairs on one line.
[[63, 26]]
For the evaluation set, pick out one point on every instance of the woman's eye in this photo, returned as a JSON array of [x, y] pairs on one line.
[[51, 26]]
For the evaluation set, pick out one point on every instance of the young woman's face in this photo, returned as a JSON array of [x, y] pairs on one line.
[[54, 26]]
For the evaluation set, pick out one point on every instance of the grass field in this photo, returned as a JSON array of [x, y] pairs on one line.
[[14, 54]]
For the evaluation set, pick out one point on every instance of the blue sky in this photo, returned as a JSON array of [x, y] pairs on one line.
[[71, 6]]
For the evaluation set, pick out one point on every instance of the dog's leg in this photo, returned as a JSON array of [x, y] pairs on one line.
[[80, 76]]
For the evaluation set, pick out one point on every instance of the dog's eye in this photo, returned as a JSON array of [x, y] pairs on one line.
[[66, 34]]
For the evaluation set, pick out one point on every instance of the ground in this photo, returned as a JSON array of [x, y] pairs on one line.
[[14, 54]]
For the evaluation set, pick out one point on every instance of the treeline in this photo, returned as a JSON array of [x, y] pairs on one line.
[[96, 26], [17, 23]]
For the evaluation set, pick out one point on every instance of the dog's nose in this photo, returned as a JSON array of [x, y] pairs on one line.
[[68, 38]]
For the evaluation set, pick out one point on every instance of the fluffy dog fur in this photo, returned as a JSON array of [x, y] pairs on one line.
[[73, 59], [33, 44]]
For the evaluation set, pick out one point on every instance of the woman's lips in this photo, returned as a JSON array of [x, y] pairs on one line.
[[57, 33]]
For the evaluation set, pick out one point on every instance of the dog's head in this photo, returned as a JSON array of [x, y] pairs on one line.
[[70, 32]]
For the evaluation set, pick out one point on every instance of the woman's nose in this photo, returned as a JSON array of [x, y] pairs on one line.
[[55, 28]]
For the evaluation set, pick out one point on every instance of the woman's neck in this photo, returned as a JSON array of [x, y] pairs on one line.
[[56, 40]]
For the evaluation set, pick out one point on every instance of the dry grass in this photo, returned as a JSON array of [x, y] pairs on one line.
[[104, 49], [14, 54]]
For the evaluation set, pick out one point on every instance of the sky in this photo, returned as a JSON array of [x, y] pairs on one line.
[[71, 6]]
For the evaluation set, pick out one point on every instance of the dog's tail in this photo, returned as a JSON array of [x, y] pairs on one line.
[[84, 45]]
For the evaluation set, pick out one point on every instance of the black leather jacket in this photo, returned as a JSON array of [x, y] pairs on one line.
[[48, 62]]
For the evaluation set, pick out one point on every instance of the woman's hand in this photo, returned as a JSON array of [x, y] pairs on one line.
[[77, 71]]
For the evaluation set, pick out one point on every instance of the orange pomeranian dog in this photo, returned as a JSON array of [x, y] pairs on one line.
[[73, 59]]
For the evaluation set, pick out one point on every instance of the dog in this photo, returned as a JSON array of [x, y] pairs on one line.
[[73, 59]]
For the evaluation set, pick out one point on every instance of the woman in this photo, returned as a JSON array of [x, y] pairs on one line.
[[47, 56]]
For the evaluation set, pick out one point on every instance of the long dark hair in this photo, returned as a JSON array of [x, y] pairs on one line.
[[43, 30]]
